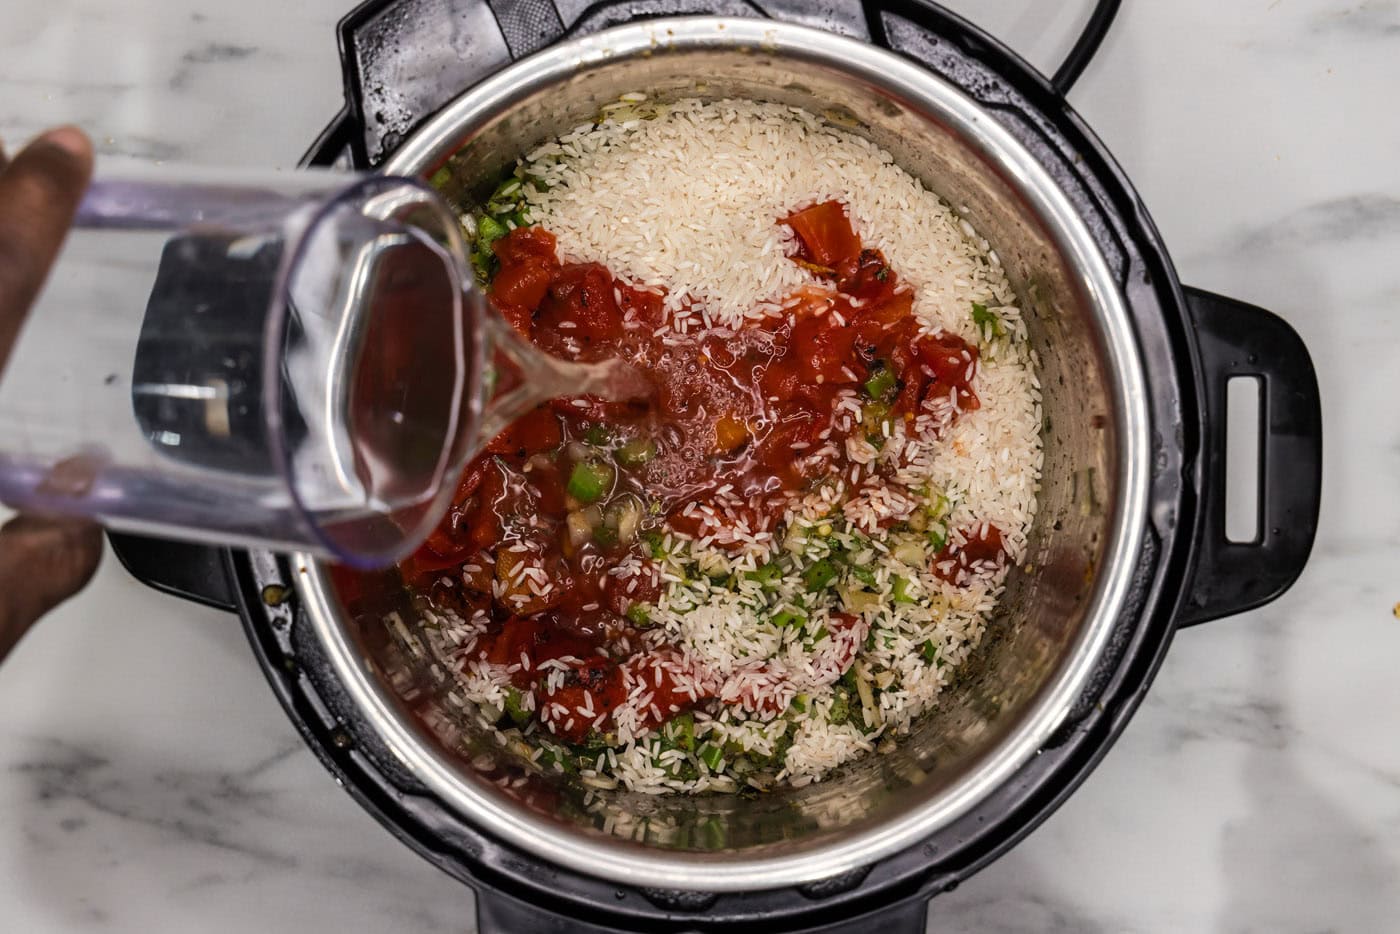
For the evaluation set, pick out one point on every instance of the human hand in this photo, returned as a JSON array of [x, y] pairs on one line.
[[43, 561]]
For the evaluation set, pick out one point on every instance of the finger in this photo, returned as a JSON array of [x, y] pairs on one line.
[[39, 193], [42, 563]]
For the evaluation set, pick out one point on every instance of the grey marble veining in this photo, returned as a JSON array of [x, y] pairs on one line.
[[169, 792], [1372, 20], [148, 780]]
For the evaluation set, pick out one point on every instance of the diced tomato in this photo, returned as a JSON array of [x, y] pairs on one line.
[[686, 523], [912, 378], [782, 449], [560, 643], [581, 590], [592, 689], [937, 391], [537, 640], [581, 308], [451, 542], [478, 520], [548, 482], [443, 549], [522, 284], [663, 673], [876, 322], [524, 244], [825, 232], [782, 379], [954, 364], [826, 351], [641, 307], [518, 317], [697, 382], [866, 277], [722, 524], [447, 592], [515, 637], [447, 547], [533, 433], [471, 480], [798, 423], [643, 586], [528, 266], [482, 528], [952, 359], [982, 550]]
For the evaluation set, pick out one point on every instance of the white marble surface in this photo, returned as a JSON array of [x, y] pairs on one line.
[[148, 780]]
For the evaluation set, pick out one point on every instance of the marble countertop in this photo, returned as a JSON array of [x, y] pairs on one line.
[[149, 781]]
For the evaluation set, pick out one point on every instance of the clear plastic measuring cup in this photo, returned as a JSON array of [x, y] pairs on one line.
[[293, 360]]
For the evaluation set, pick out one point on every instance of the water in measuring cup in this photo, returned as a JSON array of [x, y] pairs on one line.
[[296, 361]]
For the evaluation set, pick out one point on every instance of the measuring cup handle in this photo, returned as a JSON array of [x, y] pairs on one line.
[[198, 573]]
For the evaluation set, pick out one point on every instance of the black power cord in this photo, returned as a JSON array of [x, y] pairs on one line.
[[1084, 48]]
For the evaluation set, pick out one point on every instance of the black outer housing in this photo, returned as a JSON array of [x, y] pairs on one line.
[[1191, 342]]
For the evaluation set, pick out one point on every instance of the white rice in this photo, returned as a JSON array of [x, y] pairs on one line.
[[688, 201]]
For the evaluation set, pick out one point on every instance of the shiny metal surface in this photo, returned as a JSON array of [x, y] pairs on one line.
[[1040, 650]]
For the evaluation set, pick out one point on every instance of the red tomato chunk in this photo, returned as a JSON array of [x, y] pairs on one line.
[[982, 551], [825, 232]]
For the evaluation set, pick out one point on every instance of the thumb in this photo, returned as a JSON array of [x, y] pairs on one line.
[[39, 194], [43, 561]]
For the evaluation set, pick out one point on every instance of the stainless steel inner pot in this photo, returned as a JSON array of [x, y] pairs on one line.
[[1037, 654]]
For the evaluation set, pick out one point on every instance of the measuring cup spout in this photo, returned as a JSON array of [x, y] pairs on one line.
[[521, 376]]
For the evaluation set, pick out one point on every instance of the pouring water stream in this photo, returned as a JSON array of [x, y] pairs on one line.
[[531, 376]]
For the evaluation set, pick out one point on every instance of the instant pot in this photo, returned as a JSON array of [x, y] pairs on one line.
[[1129, 544]]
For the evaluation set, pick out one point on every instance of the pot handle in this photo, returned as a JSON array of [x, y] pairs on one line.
[[197, 573], [1234, 340]]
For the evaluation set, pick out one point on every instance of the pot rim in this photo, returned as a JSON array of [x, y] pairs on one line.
[[727, 872]]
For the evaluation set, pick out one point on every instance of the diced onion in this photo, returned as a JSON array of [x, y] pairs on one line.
[[629, 520], [911, 553], [857, 600], [579, 529], [867, 697]]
